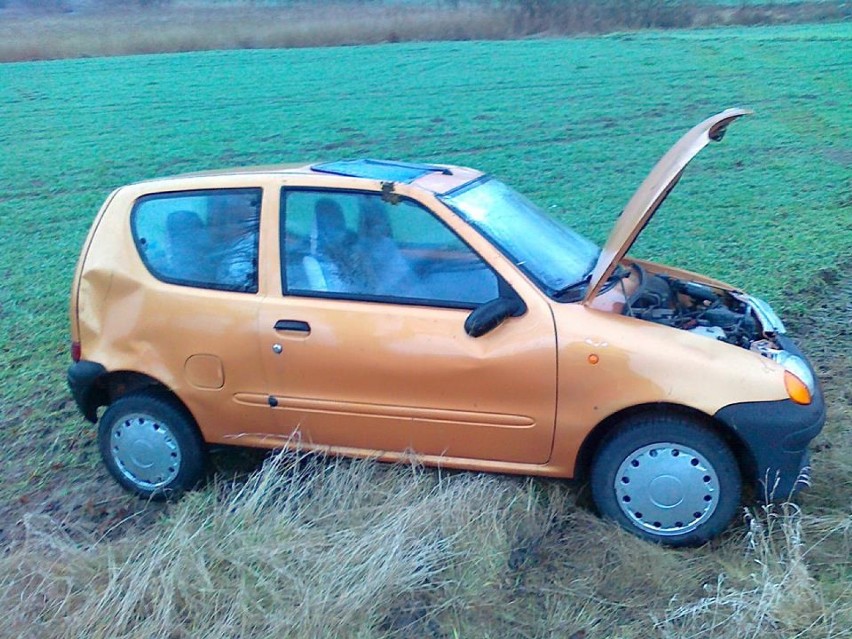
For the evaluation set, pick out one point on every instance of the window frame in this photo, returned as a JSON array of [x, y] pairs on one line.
[[207, 286], [503, 287]]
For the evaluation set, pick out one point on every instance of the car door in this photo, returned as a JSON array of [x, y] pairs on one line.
[[193, 323], [365, 349]]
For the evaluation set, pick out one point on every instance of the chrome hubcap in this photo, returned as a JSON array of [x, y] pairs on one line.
[[145, 451], [667, 489]]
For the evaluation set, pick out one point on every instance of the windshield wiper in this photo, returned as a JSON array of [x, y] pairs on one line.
[[587, 276], [577, 289]]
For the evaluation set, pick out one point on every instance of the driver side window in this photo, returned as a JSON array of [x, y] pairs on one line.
[[358, 246]]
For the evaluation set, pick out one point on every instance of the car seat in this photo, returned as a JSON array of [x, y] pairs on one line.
[[377, 248], [331, 242], [188, 247]]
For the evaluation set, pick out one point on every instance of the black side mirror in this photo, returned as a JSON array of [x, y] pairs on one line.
[[488, 316]]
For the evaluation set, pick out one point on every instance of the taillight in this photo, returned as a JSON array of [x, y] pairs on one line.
[[75, 351]]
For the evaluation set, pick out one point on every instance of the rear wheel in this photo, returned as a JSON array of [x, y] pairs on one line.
[[667, 479], [151, 445]]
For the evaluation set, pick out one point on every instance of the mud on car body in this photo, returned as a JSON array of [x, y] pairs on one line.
[[372, 308]]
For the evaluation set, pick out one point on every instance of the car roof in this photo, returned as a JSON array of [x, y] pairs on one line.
[[437, 178], [385, 170]]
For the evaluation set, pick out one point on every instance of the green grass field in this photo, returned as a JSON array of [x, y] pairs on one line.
[[575, 124]]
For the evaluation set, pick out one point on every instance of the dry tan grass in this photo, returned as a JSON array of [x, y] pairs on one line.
[[305, 548], [175, 29], [320, 548], [120, 29], [782, 598]]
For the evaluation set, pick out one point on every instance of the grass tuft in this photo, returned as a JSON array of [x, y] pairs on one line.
[[342, 547], [312, 547], [780, 594]]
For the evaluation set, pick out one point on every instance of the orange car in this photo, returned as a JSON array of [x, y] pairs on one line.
[[374, 309]]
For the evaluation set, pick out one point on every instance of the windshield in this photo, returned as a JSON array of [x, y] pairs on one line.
[[555, 256]]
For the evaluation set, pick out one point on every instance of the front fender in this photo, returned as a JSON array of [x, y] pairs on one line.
[[609, 363]]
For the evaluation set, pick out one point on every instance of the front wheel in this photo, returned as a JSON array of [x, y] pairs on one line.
[[667, 479], [150, 444]]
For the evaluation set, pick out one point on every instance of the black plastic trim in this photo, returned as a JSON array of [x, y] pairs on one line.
[[490, 315], [292, 325], [82, 378], [777, 434]]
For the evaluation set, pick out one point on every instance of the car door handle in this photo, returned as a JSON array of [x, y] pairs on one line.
[[292, 325]]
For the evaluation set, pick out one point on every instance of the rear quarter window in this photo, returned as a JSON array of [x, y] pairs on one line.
[[204, 239]]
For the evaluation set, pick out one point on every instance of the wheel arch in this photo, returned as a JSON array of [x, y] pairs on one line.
[[113, 385], [612, 423]]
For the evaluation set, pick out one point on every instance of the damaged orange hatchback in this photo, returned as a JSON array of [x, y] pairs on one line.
[[378, 309]]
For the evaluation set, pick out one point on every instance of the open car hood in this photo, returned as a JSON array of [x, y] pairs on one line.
[[651, 193]]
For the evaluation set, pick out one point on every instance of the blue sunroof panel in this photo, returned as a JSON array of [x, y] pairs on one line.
[[378, 169]]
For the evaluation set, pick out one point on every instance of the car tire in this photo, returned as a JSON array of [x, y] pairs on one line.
[[151, 445], [667, 479]]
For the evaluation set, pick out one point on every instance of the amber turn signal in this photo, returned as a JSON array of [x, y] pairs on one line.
[[796, 389]]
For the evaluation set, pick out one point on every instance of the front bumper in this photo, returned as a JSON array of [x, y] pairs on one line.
[[777, 435]]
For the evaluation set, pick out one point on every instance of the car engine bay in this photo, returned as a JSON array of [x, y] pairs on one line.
[[700, 309]]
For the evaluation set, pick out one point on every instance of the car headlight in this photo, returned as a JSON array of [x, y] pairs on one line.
[[803, 384]]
